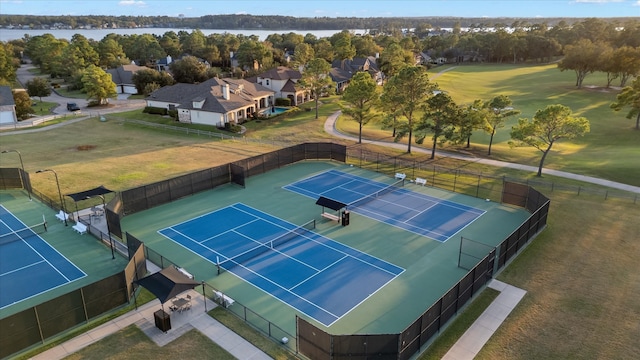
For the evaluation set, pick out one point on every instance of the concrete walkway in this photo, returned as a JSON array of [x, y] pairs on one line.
[[472, 341], [330, 128], [182, 322]]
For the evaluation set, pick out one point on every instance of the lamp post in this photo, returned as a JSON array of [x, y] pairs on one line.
[[22, 165], [104, 210], [59, 192]]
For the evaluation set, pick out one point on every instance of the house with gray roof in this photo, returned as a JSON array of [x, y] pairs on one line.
[[213, 102], [7, 106], [283, 81], [122, 77], [343, 70]]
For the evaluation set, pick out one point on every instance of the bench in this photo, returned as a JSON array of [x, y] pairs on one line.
[[330, 216], [62, 216], [224, 299], [80, 228], [185, 272], [400, 176], [421, 181]]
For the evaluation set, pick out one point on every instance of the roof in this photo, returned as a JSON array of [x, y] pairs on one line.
[[338, 75], [330, 203], [241, 94], [167, 283], [281, 73], [83, 195], [123, 74], [6, 96]]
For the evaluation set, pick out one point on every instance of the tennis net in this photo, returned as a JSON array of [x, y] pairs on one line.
[[23, 234], [369, 198], [244, 257]]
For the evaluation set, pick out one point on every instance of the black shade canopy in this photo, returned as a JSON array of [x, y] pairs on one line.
[[329, 203], [167, 283], [84, 195]]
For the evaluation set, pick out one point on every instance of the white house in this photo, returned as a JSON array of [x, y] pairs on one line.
[[122, 77], [7, 106], [213, 102], [283, 81]]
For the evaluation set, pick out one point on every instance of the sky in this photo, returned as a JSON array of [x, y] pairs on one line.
[[329, 8]]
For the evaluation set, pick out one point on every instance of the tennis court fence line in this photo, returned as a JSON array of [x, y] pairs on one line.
[[467, 182]]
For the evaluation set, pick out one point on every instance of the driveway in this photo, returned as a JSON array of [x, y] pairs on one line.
[[121, 103]]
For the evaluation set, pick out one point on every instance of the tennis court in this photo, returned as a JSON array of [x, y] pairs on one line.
[[28, 264], [319, 277], [393, 204]]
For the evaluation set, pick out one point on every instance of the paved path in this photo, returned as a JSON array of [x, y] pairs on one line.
[[472, 341], [330, 128]]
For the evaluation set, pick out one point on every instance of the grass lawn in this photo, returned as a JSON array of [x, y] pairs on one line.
[[132, 343], [579, 274], [532, 88], [582, 286], [42, 108]]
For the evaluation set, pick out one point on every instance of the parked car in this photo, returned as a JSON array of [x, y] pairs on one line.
[[73, 107]]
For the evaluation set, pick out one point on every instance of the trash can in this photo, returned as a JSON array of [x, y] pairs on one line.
[[163, 320], [345, 218]]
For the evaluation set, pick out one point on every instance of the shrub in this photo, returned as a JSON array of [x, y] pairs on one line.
[[155, 110], [283, 102]]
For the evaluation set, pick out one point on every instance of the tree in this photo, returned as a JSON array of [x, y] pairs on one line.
[[412, 88], [393, 58], [581, 58], [439, 118], [303, 53], [630, 96], [501, 108], [361, 95], [188, 70], [23, 104], [39, 87], [390, 104], [7, 64], [316, 79], [472, 117], [77, 56], [554, 123], [98, 84], [144, 77], [252, 53], [111, 53]]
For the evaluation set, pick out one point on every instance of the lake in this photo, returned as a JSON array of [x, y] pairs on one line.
[[99, 34]]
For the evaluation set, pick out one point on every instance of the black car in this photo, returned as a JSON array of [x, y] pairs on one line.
[[73, 107]]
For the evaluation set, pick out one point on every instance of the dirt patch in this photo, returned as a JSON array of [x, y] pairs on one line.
[[602, 88], [85, 147]]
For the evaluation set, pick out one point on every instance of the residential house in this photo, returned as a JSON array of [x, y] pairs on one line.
[[163, 64], [213, 102], [283, 81], [7, 106], [122, 77], [368, 64]]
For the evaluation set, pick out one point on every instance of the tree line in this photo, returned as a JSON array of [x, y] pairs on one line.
[[271, 22], [584, 47]]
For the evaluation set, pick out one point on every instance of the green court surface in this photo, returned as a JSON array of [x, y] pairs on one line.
[[85, 251], [431, 266]]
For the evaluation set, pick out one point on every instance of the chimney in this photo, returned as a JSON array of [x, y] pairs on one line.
[[225, 91]]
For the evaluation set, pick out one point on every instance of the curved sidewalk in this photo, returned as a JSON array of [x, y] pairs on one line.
[[330, 128]]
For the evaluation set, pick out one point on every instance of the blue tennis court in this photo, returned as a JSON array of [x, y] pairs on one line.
[[397, 206], [317, 276], [29, 265]]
